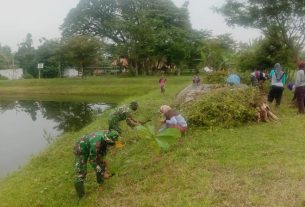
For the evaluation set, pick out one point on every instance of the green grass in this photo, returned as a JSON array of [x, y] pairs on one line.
[[253, 165], [109, 88]]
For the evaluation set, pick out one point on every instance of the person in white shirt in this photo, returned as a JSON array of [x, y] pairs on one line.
[[278, 78]]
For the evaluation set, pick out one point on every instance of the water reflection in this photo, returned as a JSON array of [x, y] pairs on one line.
[[28, 126], [69, 116]]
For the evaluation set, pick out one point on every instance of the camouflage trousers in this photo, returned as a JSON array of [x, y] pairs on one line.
[[81, 169], [80, 166]]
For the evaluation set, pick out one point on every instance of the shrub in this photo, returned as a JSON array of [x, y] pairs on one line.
[[245, 77], [223, 107], [216, 77], [49, 73], [27, 76]]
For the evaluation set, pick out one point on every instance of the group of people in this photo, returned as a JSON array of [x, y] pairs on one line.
[[93, 146], [278, 79], [196, 82], [258, 78]]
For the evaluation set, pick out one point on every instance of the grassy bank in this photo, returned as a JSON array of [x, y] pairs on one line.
[[47, 179], [106, 88], [254, 165]]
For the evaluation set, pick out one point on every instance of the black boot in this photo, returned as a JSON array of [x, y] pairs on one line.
[[80, 189], [99, 177]]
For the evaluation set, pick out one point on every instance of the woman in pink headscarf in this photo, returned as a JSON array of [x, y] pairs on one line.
[[172, 119]]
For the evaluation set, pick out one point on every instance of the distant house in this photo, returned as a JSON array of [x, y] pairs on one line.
[[123, 62], [71, 72], [207, 69], [12, 74]]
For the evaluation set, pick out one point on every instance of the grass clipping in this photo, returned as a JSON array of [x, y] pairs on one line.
[[226, 108]]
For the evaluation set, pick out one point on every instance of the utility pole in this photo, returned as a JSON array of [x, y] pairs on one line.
[[39, 66]]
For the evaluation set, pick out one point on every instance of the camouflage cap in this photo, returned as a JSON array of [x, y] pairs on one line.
[[133, 105]]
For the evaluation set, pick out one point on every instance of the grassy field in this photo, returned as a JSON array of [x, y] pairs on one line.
[[108, 88], [254, 165]]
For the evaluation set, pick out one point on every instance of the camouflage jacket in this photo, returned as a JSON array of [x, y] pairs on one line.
[[120, 114], [93, 146]]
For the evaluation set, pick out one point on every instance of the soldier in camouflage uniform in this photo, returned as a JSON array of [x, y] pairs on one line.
[[92, 147], [123, 113]]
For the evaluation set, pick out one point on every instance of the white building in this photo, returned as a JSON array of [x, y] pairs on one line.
[[12, 74], [70, 72]]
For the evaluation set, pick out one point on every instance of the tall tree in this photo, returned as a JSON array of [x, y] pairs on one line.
[[6, 57], [263, 54], [144, 30], [50, 53], [26, 56], [217, 52], [81, 51], [287, 17]]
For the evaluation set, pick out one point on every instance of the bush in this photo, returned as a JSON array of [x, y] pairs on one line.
[[27, 76], [49, 73], [224, 108], [216, 77], [245, 77]]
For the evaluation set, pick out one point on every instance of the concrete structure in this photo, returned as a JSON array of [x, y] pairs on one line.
[[12, 74], [70, 72]]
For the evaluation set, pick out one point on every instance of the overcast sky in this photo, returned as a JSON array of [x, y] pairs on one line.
[[42, 18]]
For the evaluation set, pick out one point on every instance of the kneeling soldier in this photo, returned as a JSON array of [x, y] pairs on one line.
[[92, 147]]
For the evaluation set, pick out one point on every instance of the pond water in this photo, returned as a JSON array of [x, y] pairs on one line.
[[27, 127]]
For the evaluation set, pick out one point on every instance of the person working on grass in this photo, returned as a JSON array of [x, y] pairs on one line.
[[172, 119], [123, 113], [92, 147]]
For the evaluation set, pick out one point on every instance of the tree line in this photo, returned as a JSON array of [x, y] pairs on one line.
[[157, 35]]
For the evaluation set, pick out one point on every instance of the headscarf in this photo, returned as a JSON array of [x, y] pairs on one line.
[[133, 105], [164, 109], [278, 71]]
